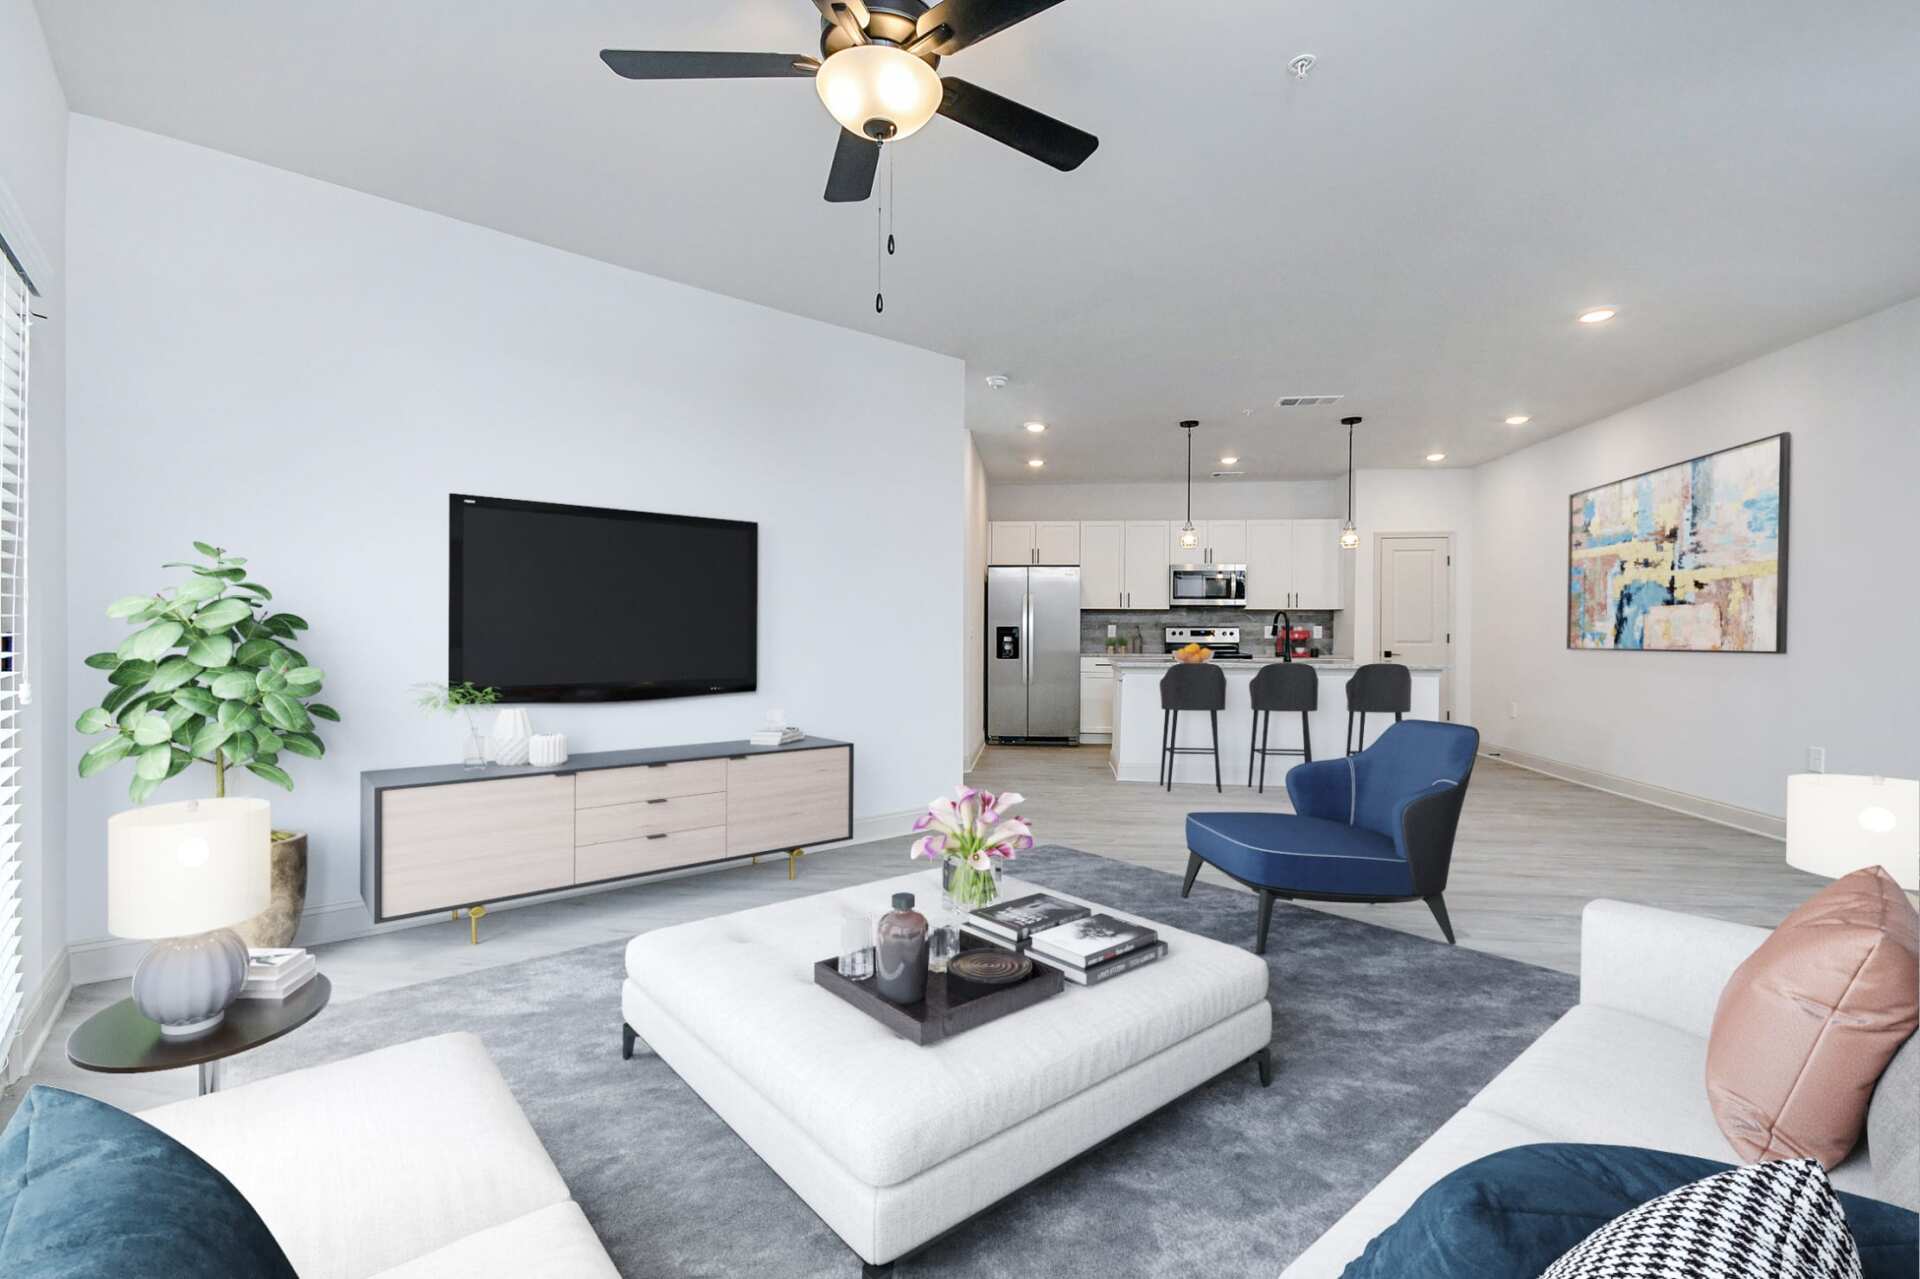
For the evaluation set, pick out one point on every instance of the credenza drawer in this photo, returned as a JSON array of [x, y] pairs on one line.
[[593, 862], [446, 846], [596, 788], [789, 799], [662, 816]]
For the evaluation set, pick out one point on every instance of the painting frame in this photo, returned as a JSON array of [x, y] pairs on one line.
[[1569, 619]]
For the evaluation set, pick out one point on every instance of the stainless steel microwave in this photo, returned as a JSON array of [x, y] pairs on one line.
[[1208, 586]]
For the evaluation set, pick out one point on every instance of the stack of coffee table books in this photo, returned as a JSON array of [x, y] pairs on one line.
[[1086, 946], [277, 973]]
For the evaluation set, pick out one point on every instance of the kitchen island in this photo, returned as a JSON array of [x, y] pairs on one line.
[[1135, 755]]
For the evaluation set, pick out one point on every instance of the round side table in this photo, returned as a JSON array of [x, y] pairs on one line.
[[119, 1040]]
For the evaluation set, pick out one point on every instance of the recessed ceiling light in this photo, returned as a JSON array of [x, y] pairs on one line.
[[1036, 462], [1036, 427], [1598, 315], [1518, 419], [1228, 461], [1436, 457]]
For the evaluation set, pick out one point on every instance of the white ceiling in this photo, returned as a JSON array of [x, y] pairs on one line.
[[1414, 226]]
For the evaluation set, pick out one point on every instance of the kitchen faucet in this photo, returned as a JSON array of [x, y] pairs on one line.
[[1283, 635]]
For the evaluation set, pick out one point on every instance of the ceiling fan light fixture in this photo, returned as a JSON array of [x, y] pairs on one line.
[[878, 91]]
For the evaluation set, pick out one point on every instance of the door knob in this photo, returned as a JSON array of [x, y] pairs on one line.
[[1386, 652]]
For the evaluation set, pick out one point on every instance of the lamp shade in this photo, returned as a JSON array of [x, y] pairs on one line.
[[1837, 824], [192, 867]]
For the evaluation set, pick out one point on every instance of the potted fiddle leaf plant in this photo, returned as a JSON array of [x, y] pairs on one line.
[[212, 677]]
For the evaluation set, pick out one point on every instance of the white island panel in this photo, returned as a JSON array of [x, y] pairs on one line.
[[1135, 755]]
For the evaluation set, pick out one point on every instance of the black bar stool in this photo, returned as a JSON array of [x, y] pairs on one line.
[[1382, 687], [1280, 687], [1190, 686]]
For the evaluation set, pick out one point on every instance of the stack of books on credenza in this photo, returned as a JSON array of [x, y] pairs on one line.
[[1086, 946], [276, 974]]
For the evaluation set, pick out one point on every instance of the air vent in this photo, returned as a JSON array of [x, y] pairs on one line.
[[1304, 401], [1221, 475]]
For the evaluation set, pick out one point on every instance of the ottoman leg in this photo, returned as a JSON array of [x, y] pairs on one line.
[[626, 1041], [1263, 1062], [870, 1271]]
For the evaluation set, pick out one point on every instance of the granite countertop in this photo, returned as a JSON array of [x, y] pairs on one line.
[[1155, 661]]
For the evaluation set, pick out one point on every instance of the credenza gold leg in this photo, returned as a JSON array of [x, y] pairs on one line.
[[754, 860], [793, 860], [474, 915]]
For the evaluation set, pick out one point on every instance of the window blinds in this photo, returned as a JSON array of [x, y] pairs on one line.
[[14, 688]]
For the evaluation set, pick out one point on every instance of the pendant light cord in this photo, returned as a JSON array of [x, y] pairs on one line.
[[1349, 473], [1189, 478]]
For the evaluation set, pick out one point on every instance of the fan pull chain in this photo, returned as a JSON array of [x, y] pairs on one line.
[[879, 266], [887, 155]]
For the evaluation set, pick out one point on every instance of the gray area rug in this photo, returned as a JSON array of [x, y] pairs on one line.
[[1378, 1037]]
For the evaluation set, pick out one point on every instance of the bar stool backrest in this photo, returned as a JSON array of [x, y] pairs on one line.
[[1285, 686], [1381, 686], [1193, 686]]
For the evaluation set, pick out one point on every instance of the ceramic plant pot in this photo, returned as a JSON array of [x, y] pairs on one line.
[[275, 926]]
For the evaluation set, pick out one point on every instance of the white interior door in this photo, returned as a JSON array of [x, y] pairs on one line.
[[1146, 577], [1009, 542], [1101, 557], [1415, 577], [1056, 542], [1316, 564], [1269, 563]]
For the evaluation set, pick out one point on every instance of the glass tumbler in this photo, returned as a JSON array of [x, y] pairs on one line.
[[856, 948]]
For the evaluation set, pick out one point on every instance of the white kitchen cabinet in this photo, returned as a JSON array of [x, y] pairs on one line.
[[1221, 542], [1102, 563], [1056, 542], [1010, 542], [1144, 577], [1316, 564], [1269, 563], [1096, 695]]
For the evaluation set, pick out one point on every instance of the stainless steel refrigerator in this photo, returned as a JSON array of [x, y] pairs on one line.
[[1033, 654]]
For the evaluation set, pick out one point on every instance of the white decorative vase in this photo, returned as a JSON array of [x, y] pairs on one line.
[[547, 750], [511, 733]]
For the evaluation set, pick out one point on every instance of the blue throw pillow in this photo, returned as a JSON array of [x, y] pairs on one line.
[[1514, 1213], [88, 1191]]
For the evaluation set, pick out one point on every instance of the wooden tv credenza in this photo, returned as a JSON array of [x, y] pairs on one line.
[[449, 839]]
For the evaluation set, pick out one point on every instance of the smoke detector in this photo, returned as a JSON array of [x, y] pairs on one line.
[[1305, 401], [997, 381], [1301, 64]]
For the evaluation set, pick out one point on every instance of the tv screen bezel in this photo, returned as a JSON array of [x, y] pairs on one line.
[[457, 506]]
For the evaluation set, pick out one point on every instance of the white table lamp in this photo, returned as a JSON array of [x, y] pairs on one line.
[[1837, 824], [183, 874]]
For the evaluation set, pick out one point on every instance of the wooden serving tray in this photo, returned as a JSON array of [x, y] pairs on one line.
[[940, 1015]]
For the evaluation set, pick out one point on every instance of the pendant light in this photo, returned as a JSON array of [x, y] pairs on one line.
[[1349, 535], [1189, 535]]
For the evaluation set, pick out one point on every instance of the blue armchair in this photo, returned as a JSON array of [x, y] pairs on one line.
[[1376, 826]]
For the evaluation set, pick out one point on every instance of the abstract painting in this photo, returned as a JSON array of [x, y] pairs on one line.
[[1688, 558]]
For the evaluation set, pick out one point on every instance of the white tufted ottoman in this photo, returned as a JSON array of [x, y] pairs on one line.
[[890, 1143]]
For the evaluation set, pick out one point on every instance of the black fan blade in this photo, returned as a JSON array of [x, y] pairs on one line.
[[855, 160], [648, 64], [1022, 128], [971, 21]]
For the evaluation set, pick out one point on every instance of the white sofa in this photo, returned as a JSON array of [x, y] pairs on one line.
[[1625, 1066], [409, 1162]]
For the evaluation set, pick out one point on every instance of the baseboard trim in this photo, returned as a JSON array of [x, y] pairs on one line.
[[109, 958], [49, 1001], [973, 760], [1711, 810]]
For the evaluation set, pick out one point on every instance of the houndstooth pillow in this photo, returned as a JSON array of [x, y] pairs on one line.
[[1776, 1220]]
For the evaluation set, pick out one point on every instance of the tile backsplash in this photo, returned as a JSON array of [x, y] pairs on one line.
[[1144, 632]]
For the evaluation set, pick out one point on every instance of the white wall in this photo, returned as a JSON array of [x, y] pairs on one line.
[[1726, 727], [1212, 500], [1413, 501], [33, 195], [302, 373], [974, 592]]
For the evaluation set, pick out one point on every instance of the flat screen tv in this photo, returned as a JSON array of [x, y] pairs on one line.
[[584, 604]]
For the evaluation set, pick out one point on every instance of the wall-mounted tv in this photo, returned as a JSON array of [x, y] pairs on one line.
[[557, 603]]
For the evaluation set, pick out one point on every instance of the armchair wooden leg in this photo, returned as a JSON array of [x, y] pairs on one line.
[[1437, 904], [1193, 868], [1266, 918]]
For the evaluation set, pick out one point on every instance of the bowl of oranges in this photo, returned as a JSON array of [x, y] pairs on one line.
[[1193, 653]]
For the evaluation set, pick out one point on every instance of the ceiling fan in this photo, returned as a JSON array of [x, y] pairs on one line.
[[876, 76]]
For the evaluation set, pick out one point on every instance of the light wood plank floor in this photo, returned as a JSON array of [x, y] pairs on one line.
[[1531, 851]]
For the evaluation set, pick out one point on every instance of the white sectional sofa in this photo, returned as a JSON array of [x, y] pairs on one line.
[[410, 1162], [1625, 1066]]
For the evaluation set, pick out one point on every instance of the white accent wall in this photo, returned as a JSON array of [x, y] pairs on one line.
[[33, 198], [302, 373], [1726, 727], [973, 661]]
